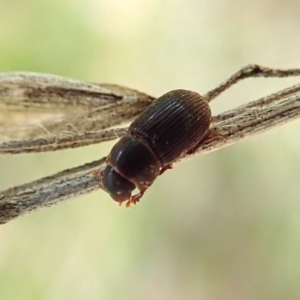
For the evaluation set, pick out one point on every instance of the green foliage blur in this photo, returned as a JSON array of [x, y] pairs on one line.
[[221, 226]]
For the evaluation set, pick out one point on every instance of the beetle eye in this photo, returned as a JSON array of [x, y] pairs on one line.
[[118, 187]]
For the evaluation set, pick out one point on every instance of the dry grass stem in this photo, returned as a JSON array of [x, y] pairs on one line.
[[63, 113]]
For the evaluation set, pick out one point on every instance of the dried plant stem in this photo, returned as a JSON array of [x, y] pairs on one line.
[[253, 119], [100, 107], [249, 71]]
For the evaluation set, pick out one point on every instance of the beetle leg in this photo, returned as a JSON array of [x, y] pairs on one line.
[[165, 168], [128, 203], [134, 199], [211, 136], [98, 174]]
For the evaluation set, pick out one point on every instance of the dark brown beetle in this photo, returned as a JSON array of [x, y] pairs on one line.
[[174, 124]]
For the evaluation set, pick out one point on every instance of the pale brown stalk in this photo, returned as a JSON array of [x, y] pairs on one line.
[[86, 113]]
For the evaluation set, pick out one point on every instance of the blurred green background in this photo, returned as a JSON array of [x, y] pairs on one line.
[[221, 226]]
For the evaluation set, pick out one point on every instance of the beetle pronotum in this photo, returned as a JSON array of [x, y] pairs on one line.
[[81, 114]]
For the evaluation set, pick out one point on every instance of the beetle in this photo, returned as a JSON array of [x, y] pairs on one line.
[[174, 124]]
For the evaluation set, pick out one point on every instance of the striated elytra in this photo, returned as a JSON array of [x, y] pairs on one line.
[[172, 125]]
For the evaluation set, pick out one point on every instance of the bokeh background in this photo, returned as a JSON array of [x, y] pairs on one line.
[[221, 226]]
